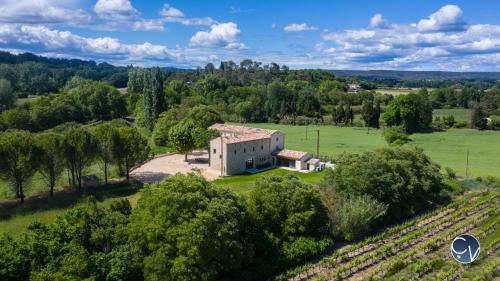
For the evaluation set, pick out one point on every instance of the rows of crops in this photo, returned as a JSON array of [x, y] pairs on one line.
[[419, 248]]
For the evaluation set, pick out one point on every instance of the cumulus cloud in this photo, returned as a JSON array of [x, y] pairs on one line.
[[117, 14], [448, 18], [440, 40], [174, 15], [378, 21], [299, 27], [169, 11], [41, 11], [43, 39], [220, 35], [115, 8]]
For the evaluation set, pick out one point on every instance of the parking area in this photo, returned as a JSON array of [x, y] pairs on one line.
[[167, 165]]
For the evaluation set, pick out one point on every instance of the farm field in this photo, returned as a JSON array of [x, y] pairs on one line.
[[395, 91], [460, 114], [448, 148], [15, 218], [417, 249]]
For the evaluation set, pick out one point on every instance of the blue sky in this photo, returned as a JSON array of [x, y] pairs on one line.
[[407, 35]]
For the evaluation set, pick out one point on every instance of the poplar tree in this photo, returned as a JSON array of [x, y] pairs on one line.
[[154, 98]]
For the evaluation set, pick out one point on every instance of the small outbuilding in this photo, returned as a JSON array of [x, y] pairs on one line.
[[293, 159]]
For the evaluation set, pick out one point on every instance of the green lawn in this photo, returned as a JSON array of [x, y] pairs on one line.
[[448, 148], [38, 183], [394, 91], [243, 184], [460, 114], [15, 218]]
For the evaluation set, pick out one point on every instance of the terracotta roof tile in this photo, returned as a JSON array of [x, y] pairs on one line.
[[246, 137], [291, 154], [240, 133]]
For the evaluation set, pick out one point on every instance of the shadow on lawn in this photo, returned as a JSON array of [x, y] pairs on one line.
[[66, 198]]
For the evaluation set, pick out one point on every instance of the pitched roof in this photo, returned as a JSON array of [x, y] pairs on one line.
[[291, 154], [245, 138], [239, 130], [313, 161], [240, 133]]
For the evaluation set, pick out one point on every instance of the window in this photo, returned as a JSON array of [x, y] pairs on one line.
[[235, 152], [277, 139], [261, 147], [215, 151], [253, 148], [244, 150]]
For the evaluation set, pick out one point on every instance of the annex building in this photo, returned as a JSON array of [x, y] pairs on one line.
[[248, 150]]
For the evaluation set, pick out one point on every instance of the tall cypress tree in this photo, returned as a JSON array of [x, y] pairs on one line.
[[148, 100], [334, 116], [154, 98], [159, 101], [340, 114], [478, 118]]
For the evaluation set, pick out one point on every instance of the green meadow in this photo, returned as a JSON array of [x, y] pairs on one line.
[[447, 148], [15, 218], [460, 114], [243, 184]]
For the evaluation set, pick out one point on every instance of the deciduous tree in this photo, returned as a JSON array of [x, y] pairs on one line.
[[52, 162], [130, 147], [20, 158]]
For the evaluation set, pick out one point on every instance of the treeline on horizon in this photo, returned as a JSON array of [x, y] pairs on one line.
[[248, 91]]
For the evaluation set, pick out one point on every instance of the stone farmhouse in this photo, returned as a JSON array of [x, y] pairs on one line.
[[248, 150]]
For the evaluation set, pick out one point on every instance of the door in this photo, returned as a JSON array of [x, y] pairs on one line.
[[249, 163]]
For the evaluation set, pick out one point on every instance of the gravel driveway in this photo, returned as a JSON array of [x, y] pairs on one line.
[[167, 165]]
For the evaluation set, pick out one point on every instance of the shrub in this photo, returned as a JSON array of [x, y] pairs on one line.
[[450, 174], [403, 178], [353, 217], [396, 135]]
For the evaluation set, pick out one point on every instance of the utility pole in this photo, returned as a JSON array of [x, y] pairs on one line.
[[317, 145], [467, 166]]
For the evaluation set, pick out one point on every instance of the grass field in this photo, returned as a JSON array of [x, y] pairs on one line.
[[244, 184], [38, 184], [448, 148], [15, 218], [460, 114], [394, 91]]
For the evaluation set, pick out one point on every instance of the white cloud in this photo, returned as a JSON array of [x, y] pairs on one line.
[[169, 11], [174, 15], [121, 8], [298, 27], [448, 18], [220, 35], [42, 38], [438, 42], [121, 15], [41, 11], [378, 21]]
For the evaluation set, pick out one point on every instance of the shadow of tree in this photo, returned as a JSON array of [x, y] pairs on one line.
[[66, 198]]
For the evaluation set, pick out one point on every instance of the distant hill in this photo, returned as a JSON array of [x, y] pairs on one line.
[[417, 75]]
